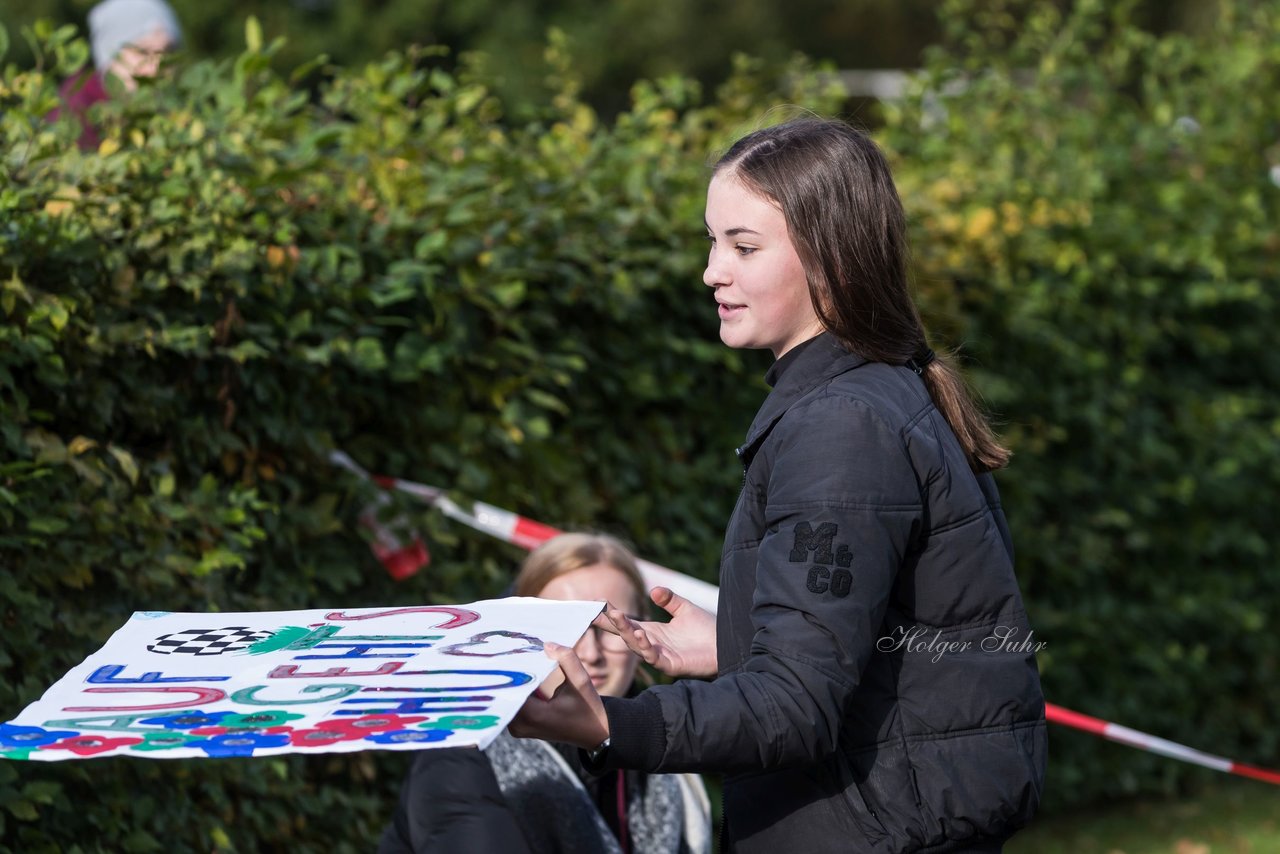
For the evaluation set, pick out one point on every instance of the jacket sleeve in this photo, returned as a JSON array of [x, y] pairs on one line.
[[841, 509], [451, 802]]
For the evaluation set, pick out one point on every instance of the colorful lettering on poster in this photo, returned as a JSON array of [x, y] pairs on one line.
[[414, 705], [458, 616], [110, 674], [514, 679], [118, 723], [249, 696], [290, 671], [480, 646], [203, 695], [297, 638], [359, 649]]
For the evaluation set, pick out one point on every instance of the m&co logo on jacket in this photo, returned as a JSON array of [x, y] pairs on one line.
[[829, 573]]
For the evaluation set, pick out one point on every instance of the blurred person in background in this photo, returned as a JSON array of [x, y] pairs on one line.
[[128, 38], [532, 796]]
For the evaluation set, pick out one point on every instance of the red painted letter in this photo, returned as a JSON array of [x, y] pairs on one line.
[[203, 695], [460, 616]]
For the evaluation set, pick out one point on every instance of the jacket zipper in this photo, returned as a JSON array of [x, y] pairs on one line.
[[724, 821]]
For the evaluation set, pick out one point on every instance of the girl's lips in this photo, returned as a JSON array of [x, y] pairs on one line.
[[728, 310]]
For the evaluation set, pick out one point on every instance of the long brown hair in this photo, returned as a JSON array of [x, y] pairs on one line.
[[834, 188]]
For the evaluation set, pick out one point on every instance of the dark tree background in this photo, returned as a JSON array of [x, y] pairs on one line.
[[613, 44]]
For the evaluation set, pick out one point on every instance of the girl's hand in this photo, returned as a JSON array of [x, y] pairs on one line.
[[685, 646], [573, 714]]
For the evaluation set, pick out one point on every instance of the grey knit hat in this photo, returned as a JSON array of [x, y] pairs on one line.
[[114, 24]]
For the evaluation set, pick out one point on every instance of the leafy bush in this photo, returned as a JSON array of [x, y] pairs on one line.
[[1096, 214]]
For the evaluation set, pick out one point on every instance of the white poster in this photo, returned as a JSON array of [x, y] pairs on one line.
[[181, 685]]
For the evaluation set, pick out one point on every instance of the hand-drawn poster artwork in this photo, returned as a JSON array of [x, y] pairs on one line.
[[179, 685], [207, 641]]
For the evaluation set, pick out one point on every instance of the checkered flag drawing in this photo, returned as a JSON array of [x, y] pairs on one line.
[[208, 641]]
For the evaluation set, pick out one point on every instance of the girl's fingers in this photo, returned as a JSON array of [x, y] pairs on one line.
[[632, 634], [616, 622], [573, 713], [667, 599], [605, 620], [547, 688], [574, 673], [621, 620], [662, 597], [622, 625], [636, 636], [642, 645]]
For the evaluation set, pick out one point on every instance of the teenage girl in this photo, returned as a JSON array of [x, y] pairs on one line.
[[868, 682]]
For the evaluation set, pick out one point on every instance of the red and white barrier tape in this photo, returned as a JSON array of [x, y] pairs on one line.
[[524, 532], [1153, 744], [514, 528]]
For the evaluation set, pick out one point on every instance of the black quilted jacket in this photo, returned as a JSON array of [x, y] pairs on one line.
[[878, 688]]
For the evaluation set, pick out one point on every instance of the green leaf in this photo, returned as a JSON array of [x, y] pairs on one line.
[[246, 351], [79, 445], [42, 791], [219, 838], [252, 34], [368, 354], [47, 525], [140, 840], [509, 294], [299, 324], [58, 315], [303, 71], [49, 448], [126, 462], [547, 401]]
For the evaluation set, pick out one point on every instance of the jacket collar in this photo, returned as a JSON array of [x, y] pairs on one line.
[[822, 360]]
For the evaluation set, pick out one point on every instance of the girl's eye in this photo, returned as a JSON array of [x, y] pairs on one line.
[[711, 238], [745, 250]]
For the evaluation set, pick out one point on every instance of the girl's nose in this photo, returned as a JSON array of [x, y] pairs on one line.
[[588, 648], [715, 274]]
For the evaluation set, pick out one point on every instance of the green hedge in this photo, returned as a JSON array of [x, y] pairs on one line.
[[248, 275]]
